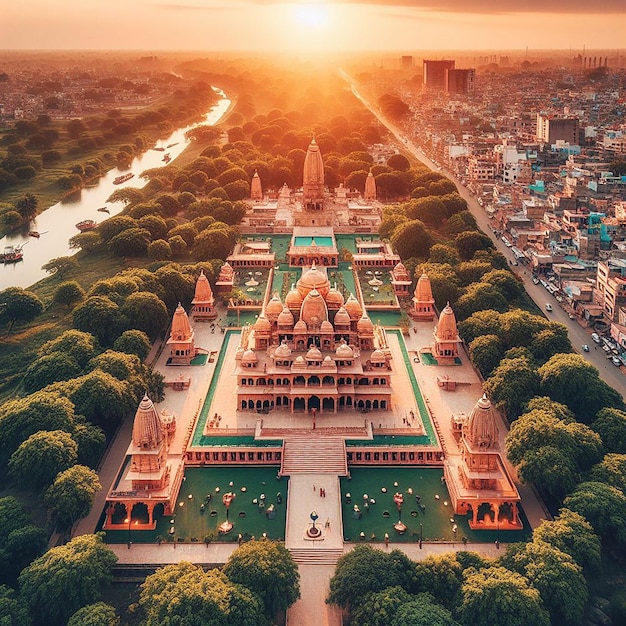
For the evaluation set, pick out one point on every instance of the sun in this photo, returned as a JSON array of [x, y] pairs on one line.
[[311, 14]]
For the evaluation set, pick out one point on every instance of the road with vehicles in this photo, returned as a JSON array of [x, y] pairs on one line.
[[578, 334]]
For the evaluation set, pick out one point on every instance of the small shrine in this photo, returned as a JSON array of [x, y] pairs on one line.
[[203, 303], [225, 279], [180, 343], [401, 281], [423, 302], [478, 481], [446, 345]]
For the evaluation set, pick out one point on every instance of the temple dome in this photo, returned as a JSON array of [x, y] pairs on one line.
[[147, 427], [378, 356], [262, 325], [313, 173], [313, 279], [299, 363], [364, 325], [423, 290], [354, 308], [481, 428], [294, 299], [314, 310], [370, 187], [326, 327], [283, 351], [286, 319], [181, 328], [274, 307], [256, 189], [342, 318], [446, 328], [334, 299], [344, 351], [249, 356], [203, 291], [314, 354], [300, 327]]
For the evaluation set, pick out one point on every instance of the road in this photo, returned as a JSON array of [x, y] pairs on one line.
[[578, 335]]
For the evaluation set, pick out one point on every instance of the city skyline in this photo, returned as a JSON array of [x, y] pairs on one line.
[[313, 26]]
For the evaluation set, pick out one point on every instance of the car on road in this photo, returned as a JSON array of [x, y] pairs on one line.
[[596, 338], [571, 316], [548, 307], [535, 280], [616, 361], [585, 347]]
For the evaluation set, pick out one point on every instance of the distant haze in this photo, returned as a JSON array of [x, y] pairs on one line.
[[322, 25]]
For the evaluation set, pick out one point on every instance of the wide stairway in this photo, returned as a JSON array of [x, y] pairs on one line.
[[314, 454], [316, 556]]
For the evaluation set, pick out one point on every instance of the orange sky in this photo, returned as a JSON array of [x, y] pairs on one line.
[[329, 25]]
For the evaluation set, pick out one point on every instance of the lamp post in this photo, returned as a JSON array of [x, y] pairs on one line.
[[421, 535]]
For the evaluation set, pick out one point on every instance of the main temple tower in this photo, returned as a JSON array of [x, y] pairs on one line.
[[313, 179]]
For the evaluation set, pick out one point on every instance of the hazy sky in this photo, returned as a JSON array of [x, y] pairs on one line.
[[312, 25]]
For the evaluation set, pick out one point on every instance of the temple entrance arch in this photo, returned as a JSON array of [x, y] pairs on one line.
[[506, 513], [486, 514], [298, 404], [139, 513], [313, 403], [328, 404], [158, 512]]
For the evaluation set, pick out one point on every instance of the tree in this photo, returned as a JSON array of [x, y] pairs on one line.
[[442, 253], [511, 385], [399, 162], [79, 345], [364, 570], [440, 576], [480, 297], [570, 379], [98, 614], [101, 317], [486, 353], [444, 282], [22, 546], [496, 595], [19, 419], [145, 311], [115, 225], [71, 495], [380, 607], [132, 242], [26, 206], [571, 533], [85, 241], [469, 242], [91, 442], [19, 305], [611, 471], [49, 369], [213, 243], [558, 579], [61, 265], [422, 611], [610, 424], [431, 210], [133, 342], [13, 611], [160, 250], [412, 239], [69, 294], [604, 507], [185, 594], [75, 572], [41, 457], [268, 570]]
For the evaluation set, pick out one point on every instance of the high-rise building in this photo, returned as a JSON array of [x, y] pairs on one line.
[[460, 81], [406, 61], [551, 128], [435, 73]]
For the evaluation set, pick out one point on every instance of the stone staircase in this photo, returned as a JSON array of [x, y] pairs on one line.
[[316, 454], [316, 556]]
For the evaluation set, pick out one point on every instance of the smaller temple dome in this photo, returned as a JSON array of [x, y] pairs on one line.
[[283, 351], [314, 310], [285, 319], [314, 354], [334, 299], [274, 307], [481, 429], [239, 353], [313, 279], [423, 290], [364, 325], [446, 328], [181, 329], [354, 308], [147, 427], [300, 327], [341, 318], [262, 325], [344, 351], [293, 299], [226, 272], [328, 362], [203, 289], [401, 272], [299, 363], [378, 356], [249, 356], [327, 327]]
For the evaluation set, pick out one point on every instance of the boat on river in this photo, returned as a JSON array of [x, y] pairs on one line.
[[12, 254], [34, 233], [171, 145], [103, 209], [159, 149], [123, 178], [167, 158], [86, 225]]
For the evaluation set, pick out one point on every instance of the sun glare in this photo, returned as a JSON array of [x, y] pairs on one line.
[[311, 14]]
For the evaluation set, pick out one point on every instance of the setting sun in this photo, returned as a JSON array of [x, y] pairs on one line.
[[311, 14]]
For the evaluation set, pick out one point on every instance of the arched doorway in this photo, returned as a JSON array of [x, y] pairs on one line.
[[298, 404], [486, 513], [328, 404], [313, 403]]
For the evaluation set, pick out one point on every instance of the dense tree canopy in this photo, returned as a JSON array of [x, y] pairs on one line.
[[513, 383], [610, 424], [97, 614], [75, 572], [18, 305], [267, 569]]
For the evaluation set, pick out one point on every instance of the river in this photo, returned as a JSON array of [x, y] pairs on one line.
[[57, 224]]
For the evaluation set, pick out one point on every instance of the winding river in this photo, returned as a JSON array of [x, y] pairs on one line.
[[58, 223]]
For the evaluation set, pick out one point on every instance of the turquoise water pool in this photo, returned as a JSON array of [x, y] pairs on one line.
[[319, 241]]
